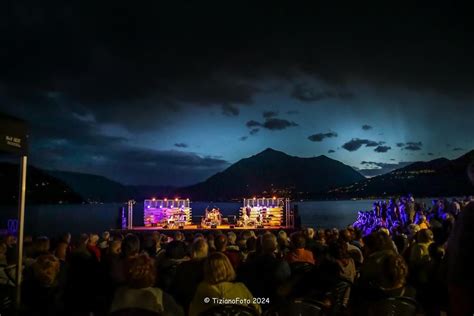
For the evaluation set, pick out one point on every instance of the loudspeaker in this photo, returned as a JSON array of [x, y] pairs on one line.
[[213, 226], [181, 227], [232, 226]]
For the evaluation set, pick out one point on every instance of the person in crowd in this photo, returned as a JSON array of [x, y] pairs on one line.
[[190, 273], [419, 252], [310, 242], [156, 247], [354, 251], [340, 252], [422, 222], [92, 246], [460, 254], [221, 242], [347, 269], [391, 281], [81, 291], [7, 268], [175, 254], [232, 242], [41, 246], [61, 253], [139, 292], [249, 250], [283, 244], [41, 294], [219, 276], [320, 244], [210, 242], [10, 242], [103, 243], [298, 252], [378, 245], [264, 273]]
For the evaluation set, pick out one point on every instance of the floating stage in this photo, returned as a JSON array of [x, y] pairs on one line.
[[168, 215], [198, 228]]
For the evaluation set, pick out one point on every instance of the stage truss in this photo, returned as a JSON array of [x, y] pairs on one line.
[[266, 212], [167, 212]]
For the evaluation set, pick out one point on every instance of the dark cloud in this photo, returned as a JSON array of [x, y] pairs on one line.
[[355, 143], [269, 114], [372, 168], [430, 154], [254, 131], [366, 127], [273, 124], [330, 151], [458, 149], [413, 146], [230, 110], [321, 136], [382, 149], [243, 138], [181, 145], [292, 112], [400, 144], [305, 93], [253, 123], [129, 165], [129, 62]]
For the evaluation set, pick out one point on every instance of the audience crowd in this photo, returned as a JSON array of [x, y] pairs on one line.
[[400, 250]]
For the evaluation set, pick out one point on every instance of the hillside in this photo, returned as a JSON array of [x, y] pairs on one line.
[[439, 177], [273, 172], [41, 187]]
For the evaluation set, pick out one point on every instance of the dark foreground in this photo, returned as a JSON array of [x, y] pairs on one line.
[[402, 257]]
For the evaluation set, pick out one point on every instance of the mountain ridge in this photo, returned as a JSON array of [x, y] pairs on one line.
[[274, 172], [437, 177]]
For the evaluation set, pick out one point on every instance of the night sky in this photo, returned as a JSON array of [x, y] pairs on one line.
[[147, 92]]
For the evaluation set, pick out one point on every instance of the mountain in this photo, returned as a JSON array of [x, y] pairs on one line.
[[274, 172], [95, 188], [41, 188], [439, 177]]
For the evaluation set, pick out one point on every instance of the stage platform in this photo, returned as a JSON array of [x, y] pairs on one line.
[[196, 228]]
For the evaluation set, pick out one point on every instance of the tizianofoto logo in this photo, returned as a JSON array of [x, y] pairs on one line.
[[226, 301]]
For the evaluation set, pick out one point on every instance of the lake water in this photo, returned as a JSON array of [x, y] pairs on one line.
[[77, 218]]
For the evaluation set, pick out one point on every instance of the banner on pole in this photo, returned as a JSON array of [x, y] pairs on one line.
[[13, 135]]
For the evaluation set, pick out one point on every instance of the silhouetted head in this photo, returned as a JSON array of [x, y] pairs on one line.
[[269, 243], [140, 272], [218, 268], [298, 241], [220, 242], [425, 236], [338, 249], [45, 269], [395, 271], [200, 248], [130, 245], [470, 171]]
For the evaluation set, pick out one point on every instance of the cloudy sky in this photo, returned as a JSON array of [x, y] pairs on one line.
[[157, 93]]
